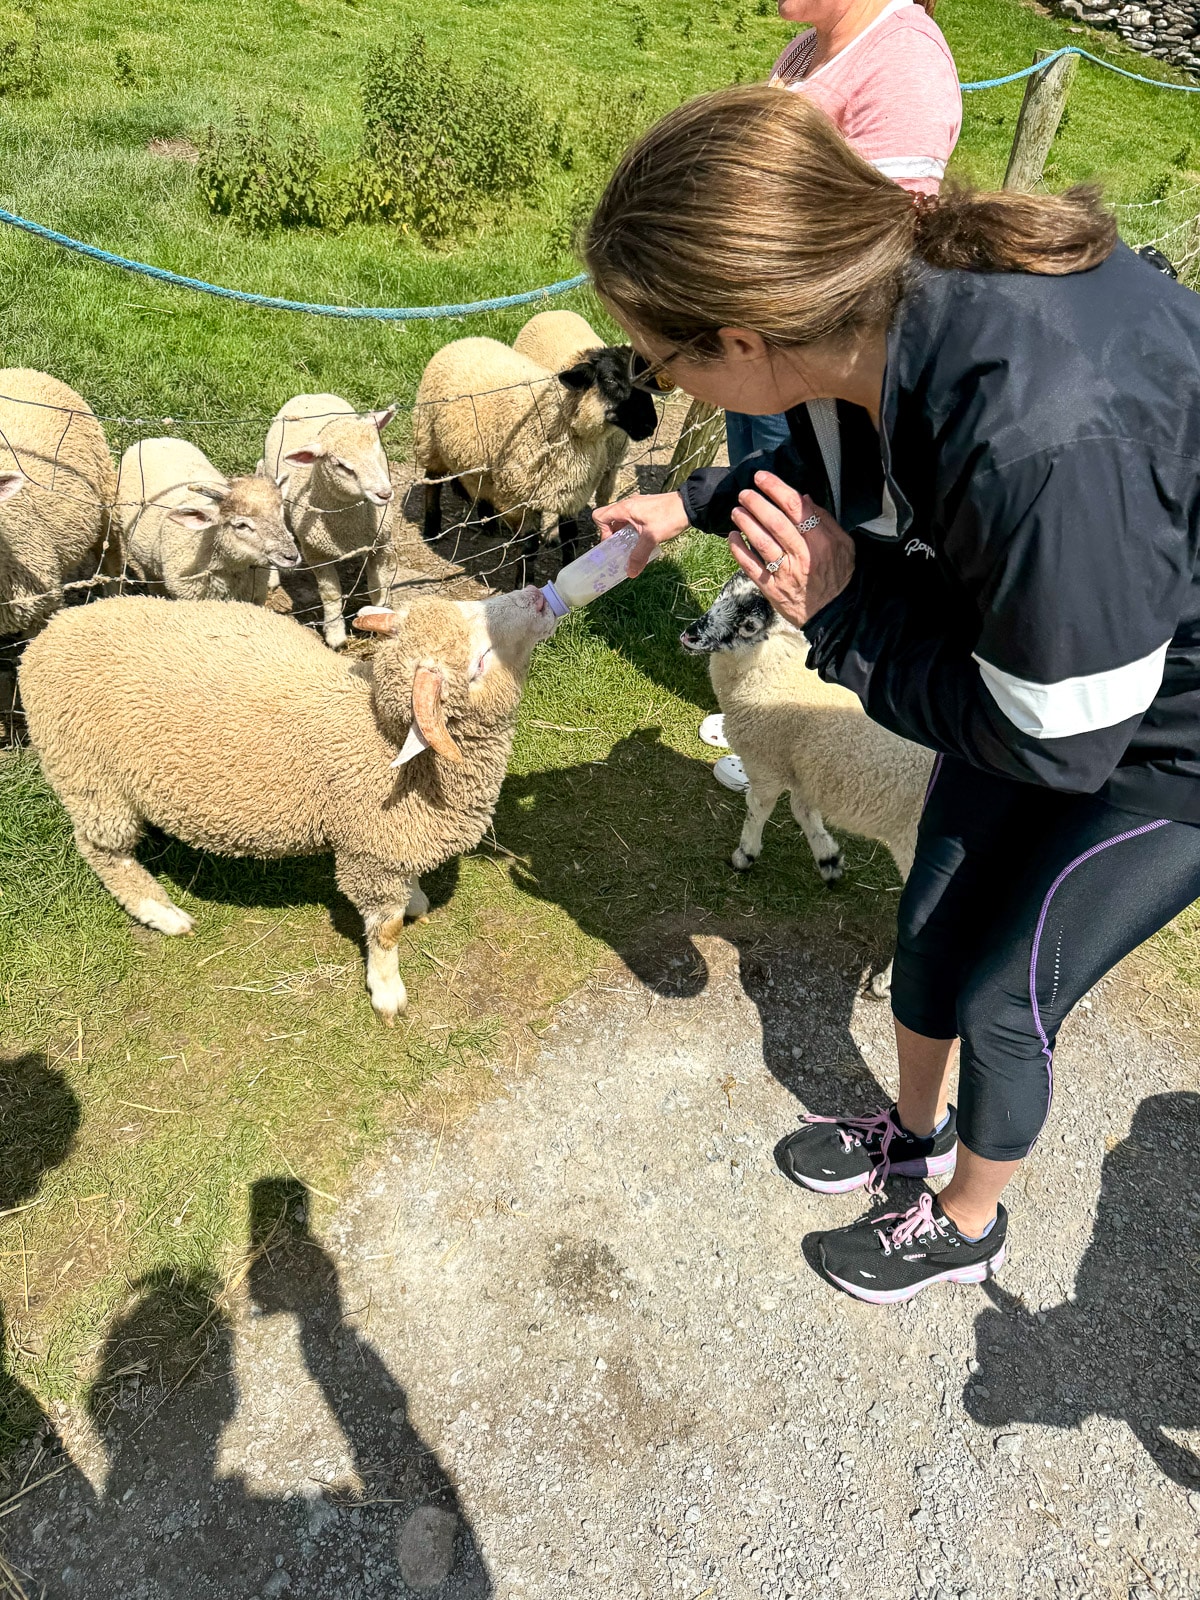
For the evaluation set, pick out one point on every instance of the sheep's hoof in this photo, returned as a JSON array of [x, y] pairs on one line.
[[880, 986], [162, 918], [388, 998], [740, 861], [387, 1014], [831, 867]]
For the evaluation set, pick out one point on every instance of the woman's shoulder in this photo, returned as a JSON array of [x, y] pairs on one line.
[[910, 32], [902, 59]]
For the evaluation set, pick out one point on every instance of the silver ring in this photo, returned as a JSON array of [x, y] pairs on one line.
[[774, 566], [809, 524]]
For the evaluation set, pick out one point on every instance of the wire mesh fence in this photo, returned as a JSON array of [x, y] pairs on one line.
[[68, 506], [68, 491]]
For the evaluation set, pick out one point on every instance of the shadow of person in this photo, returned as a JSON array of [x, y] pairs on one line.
[[39, 1118], [1126, 1344], [599, 838], [408, 1505], [171, 1523]]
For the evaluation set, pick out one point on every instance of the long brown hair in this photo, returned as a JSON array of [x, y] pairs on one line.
[[746, 208]]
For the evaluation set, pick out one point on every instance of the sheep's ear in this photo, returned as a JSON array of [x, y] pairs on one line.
[[197, 518], [11, 483], [305, 456], [580, 376], [413, 745], [211, 491], [427, 715], [382, 418], [377, 619]]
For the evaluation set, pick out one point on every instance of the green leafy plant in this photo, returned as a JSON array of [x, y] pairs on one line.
[[441, 139], [125, 72], [639, 24], [22, 69], [261, 180]]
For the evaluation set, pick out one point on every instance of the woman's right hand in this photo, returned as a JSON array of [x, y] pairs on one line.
[[655, 517]]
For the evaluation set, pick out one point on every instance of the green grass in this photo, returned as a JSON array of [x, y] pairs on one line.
[[150, 1081]]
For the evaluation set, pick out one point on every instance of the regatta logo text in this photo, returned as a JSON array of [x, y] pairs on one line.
[[919, 547]]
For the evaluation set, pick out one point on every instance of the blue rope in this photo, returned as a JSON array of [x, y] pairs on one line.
[[271, 302], [501, 302], [1074, 50]]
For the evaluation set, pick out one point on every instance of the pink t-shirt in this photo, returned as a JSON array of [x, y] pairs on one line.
[[892, 93]]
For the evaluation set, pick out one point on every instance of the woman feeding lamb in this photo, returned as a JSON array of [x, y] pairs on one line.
[[1009, 582]]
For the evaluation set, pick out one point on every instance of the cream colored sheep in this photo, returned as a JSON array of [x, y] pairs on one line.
[[337, 496], [524, 439], [557, 340], [811, 739], [57, 486], [238, 731], [201, 535]]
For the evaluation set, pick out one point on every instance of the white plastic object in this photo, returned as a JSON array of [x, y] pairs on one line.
[[730, 772], [712, 731], [592, 574]]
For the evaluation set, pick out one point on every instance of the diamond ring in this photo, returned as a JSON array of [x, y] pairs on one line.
[[809, 524], [774, 566]]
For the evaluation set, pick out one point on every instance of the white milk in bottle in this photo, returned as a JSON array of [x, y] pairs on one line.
[[594, 573]]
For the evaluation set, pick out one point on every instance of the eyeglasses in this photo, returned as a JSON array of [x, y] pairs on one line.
[[650, 376]]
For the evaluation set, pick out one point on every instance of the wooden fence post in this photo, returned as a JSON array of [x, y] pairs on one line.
[[698, 444], [1041, 112]]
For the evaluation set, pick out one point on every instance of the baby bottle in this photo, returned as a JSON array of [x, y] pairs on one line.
[[592, 574]]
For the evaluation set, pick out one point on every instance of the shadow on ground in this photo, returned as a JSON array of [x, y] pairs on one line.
[[39, 1118], [169, 1524], [257, 884], [1126, 1343], [629, 849]]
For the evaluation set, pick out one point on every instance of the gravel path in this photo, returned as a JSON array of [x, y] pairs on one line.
[[572, 1347]]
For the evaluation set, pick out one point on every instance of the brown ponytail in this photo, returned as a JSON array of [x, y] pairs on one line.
[[746, 208]]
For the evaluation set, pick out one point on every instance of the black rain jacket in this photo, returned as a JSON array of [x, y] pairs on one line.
[[1034, 607]]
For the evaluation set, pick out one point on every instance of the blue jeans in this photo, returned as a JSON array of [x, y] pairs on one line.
[[744, 434]]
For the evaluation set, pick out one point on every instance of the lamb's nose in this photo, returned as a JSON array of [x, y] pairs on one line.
[[385, 494]]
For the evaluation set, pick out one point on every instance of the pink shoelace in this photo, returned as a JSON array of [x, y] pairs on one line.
[[858, 1130], [917, 1223]]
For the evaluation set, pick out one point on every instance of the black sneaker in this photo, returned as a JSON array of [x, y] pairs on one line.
[[837, 1154], [891, 1258]]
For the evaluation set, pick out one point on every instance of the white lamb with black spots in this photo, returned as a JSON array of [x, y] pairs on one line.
[[798, 735]]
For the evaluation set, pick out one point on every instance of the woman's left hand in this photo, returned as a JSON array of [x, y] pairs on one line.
[[812, 558]]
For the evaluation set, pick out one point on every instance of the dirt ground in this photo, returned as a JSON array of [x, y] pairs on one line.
[[572, 1345]]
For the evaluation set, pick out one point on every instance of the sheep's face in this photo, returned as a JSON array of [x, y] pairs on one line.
[[608, 372], [739, 618], [251, 531], [451, 667], [246, 519], [349, 459]]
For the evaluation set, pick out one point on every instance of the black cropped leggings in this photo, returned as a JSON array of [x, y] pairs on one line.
[[1019, 899]]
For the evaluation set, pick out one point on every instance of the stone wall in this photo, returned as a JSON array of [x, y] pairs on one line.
[[1160, 28]]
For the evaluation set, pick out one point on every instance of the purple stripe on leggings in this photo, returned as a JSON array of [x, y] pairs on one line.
[[1047, 1051], [933, 778]]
